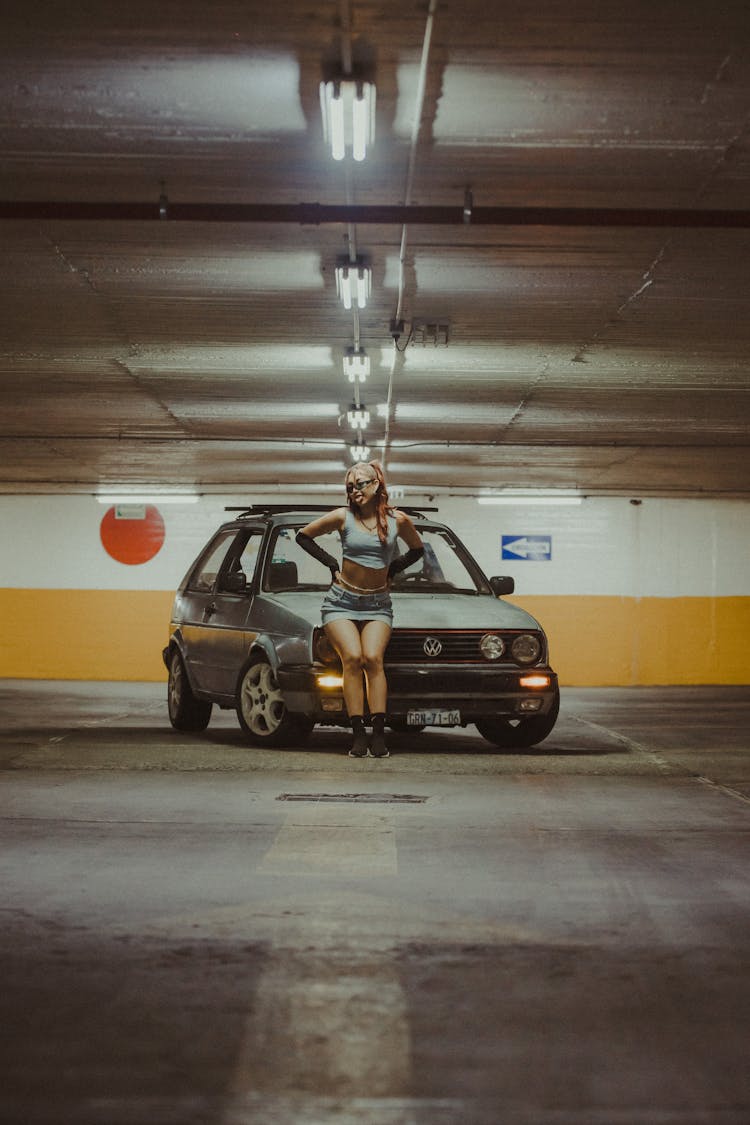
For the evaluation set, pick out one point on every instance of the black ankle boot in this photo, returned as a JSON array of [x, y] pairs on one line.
[[359, 743], [378, 748]]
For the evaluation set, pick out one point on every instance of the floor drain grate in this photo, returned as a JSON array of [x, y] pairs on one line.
[[356, 798]]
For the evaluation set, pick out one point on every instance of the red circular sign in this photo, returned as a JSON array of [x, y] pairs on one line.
[[132, 533]]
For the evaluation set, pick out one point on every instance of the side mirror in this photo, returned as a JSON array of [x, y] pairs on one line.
[[502, 584], [234, 583]]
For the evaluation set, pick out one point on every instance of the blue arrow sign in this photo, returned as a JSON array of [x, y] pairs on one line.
[[536, 548]]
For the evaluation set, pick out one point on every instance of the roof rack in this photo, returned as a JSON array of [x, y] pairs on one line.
[[277, 509]]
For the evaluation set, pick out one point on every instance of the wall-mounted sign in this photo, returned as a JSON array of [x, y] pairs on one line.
[[132, 533], [532, 548], [130, 511]]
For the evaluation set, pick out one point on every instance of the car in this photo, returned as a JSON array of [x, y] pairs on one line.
[[245, 634]]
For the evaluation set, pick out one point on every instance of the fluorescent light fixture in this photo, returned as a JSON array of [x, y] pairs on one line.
[[137, 498], [348, 110], [358, 416], [523, 501], [332, 108], [359, 452], [353, 282], [356, 365]]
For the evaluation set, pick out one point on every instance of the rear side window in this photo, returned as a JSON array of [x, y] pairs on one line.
[[207, 568]]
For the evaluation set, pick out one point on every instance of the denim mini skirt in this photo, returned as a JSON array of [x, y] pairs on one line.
[[344, 605]]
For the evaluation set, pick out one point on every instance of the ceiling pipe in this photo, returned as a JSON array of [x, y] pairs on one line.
[[415, 129], [397, 358], [346, 36], [318, 214]]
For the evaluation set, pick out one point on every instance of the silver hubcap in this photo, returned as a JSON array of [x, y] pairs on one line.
[[261, 700]]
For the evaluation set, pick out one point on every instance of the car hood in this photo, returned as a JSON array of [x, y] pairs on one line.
[[426, 611]]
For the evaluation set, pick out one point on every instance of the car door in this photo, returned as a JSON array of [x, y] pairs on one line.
[[226, 628], [212, 615]]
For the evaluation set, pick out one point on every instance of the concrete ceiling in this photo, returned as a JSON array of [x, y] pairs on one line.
[[588, 348]]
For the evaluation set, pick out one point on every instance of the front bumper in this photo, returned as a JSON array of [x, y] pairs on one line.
[[476, 691]]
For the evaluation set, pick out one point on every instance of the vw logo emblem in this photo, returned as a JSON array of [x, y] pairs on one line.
[[432, 646]]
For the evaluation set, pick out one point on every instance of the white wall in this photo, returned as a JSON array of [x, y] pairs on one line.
[[660, 548]]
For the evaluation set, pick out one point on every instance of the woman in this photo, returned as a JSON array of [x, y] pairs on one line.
[[357, 612]]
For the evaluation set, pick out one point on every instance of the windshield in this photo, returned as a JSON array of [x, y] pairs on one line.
[[443, 567]]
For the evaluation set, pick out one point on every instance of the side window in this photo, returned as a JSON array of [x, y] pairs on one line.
[[204, 576], [237, 571], [290, 565], [249, 555]]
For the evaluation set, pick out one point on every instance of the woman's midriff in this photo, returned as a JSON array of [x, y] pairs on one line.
[[364, 577]]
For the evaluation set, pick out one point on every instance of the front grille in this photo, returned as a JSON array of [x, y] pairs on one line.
[[457, 646], [466, 682]]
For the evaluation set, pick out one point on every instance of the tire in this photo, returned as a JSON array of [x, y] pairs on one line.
[[518, 734], [185, 711], [262, 712]]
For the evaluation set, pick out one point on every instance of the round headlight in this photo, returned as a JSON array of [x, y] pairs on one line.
[[491, 646], [526, 649]]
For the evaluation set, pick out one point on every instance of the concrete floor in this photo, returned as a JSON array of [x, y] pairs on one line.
[[194, 931]]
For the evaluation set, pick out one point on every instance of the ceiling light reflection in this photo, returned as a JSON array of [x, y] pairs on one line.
[[240, 361], [525, 501], [148, 498], [254, 96]]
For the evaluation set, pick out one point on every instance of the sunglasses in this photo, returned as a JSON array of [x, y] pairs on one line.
[[360, 485]]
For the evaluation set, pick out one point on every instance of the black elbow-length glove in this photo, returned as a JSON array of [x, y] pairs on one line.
[[401, 563], [308, 544]]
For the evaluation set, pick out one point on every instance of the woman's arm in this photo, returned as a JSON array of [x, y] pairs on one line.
[[408, 532], [332, 521]]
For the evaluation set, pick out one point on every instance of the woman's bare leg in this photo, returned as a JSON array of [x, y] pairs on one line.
[[345, 638], [375, 636], [374, 639]]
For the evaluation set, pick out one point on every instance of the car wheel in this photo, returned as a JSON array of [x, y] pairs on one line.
[[262, 712], [517, 734], [185, 711]]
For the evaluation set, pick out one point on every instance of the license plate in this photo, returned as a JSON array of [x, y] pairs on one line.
[[433, 718]]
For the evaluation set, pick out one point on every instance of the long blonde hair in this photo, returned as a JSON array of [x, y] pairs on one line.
[[382, 507]]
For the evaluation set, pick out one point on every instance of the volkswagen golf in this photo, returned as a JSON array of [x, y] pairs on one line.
[[245, 634]]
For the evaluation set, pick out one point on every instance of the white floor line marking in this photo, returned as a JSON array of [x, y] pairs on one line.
[[322, 1027], [330, 1023], [727, 790], [630, 743], [326, 839], [664, 765], [97, 723]]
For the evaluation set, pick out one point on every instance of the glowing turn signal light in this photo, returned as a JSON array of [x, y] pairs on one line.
[[330, 681], [535, 681]]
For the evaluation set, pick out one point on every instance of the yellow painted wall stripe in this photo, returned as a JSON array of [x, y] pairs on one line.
[[84, 634], [594, 641], [618, 641]]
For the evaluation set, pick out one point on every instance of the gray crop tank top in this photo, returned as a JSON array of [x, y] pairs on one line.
[[364, 547]]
